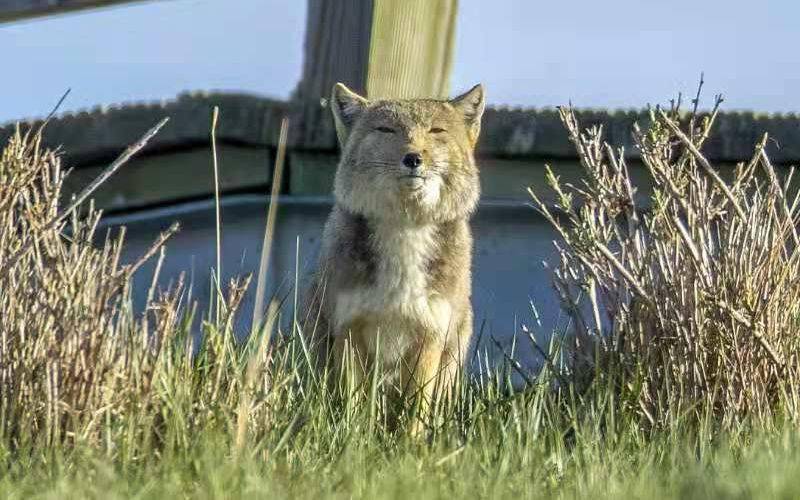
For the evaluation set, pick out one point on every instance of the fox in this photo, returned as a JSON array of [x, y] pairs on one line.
[[393, 281]]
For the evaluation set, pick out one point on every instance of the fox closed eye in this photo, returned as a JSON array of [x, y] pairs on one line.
[[385, 130], [437, 130]]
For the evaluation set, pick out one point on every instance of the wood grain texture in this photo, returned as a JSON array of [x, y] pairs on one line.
[[412, 47], [96, 135], [336, 49]]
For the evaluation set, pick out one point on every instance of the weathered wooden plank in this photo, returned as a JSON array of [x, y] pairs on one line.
[[506, 133], [378, 48], [311, 174], [336, 49], [175, 176], [102, 133], [411, 50], [15, 10]]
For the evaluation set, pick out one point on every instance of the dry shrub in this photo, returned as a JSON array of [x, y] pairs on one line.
[[689, 304], [76, 363]]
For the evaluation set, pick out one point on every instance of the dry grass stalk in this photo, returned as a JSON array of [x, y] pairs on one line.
[[85, 193], [76, 363], [694, 301], [269, 229], [217, 210]]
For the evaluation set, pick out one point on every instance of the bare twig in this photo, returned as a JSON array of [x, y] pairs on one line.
[[703, 163], [158, 244], [87, 191], [703, 299], [53, 111]]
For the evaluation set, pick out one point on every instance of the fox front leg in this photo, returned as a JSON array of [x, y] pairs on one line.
[[431, 374]]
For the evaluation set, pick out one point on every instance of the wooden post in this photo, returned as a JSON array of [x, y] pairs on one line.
[[411, 48], [336, 50], [378, 48], [336, 46]]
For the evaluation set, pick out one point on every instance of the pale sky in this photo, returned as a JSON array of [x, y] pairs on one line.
[[616, 53]]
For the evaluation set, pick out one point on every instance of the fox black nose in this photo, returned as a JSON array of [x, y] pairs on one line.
[[412, 160]]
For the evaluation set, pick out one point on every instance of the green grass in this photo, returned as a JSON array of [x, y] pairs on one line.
[[524, 446]]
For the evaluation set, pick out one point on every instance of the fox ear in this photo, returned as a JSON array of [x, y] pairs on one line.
[[346, 106], [471, 104]]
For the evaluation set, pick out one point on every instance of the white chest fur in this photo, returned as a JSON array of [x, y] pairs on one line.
[[399, 302]]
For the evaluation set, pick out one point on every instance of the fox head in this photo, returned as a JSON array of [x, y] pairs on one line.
[[408, 159]]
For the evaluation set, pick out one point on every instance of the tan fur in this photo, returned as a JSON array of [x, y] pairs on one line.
[[394, 277]]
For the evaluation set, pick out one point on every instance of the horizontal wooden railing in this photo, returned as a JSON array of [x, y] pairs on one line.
[[510, 133], [17, 10], [514, 146]]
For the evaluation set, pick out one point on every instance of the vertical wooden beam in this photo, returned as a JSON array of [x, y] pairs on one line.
[[378, 48], [336, 49], [411, 49]]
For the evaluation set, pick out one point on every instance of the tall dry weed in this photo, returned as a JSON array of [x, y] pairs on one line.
[[688, 298], [77, 364]]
